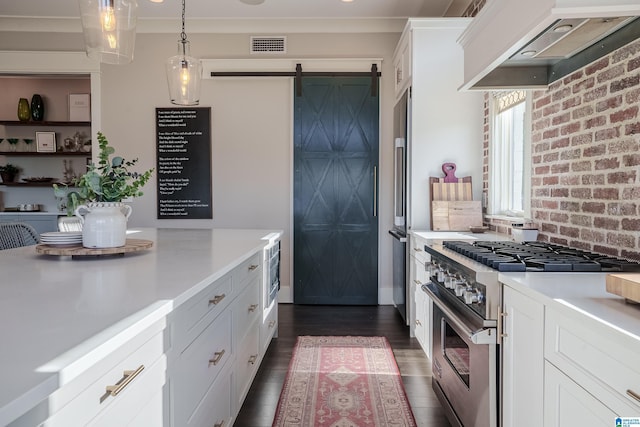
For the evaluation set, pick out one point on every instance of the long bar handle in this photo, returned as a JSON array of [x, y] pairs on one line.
[[127, 377], [217, 357], [633, 394], [215, 300], [375, 191]]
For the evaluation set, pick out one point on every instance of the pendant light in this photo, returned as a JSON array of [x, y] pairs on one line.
[[109, 28], [184, 72]]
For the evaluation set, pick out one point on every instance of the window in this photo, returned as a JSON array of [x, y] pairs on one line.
[[510, 154]]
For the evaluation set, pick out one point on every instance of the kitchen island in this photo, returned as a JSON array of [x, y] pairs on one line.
[[61, 316]]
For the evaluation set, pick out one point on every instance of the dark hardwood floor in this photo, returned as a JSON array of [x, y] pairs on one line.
[[294, 320]]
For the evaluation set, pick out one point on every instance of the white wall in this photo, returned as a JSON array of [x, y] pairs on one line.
[[251, 124]]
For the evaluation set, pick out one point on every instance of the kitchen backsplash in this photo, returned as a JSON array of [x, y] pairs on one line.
[[586, 157]]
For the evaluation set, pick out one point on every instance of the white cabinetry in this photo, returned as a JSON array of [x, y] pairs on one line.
[[217, 348], [522, 360], [445, 124], [596, 374], [402, 64], [420, 304], [116, 390]]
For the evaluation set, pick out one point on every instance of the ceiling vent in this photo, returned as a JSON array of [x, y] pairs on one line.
[[268, 45]]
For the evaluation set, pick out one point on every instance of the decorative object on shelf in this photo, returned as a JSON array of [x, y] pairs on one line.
[[79, 107], [184, 72], [24, 112], [13, 144], [37, 108], [9, 172], [29, 143], [99, 194], [109, 28], [46, 142]]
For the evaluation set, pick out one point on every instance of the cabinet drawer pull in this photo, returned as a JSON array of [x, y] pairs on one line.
[[215, 300], [253, 267], [418, 322], [220, 424], [253, 358], [634, 395], [218, 355], [252, 308], [272, 324], [417, 249], [127, 377], [417, 282]]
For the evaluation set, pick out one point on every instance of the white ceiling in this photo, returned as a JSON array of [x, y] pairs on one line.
[[237, 9]]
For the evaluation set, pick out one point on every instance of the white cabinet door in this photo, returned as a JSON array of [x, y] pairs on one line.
[[522, 360], [420, 299], [568, 404]]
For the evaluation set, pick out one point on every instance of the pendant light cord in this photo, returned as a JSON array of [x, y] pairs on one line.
[[183, 34]]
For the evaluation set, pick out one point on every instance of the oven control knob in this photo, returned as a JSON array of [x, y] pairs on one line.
[[470, 296], [480, 297], [460, 288], [440, 275]]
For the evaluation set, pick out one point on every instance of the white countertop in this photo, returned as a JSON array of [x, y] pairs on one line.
[[458, 235], [580, 294], [58, 314]]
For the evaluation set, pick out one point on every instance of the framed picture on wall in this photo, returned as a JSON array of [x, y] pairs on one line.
[[46, 142]]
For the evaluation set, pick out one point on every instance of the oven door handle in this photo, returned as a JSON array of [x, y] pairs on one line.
[[481, 336]]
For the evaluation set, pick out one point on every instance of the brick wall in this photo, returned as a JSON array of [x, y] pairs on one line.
[[586, 157]]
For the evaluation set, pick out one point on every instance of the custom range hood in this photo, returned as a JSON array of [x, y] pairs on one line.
[[532, 43]]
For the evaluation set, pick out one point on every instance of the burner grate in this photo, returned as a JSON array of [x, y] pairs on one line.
[[538, 256]]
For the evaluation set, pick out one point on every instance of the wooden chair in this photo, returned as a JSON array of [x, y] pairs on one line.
[[17, 234]]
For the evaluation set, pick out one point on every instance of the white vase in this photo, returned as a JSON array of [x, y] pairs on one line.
[[104, 224]]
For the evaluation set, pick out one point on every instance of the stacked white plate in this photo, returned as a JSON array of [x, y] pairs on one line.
[[61, 238]]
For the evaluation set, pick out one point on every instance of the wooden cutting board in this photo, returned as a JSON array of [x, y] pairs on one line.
[[626, 285], [456, 215], [451, 191]]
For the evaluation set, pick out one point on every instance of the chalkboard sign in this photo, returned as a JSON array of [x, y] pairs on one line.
[[183, 163]]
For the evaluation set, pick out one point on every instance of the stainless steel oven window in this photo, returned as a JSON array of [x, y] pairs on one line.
[[455, 351]]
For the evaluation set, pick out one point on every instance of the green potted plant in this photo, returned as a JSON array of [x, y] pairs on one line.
[[9, 172], [96, 197]]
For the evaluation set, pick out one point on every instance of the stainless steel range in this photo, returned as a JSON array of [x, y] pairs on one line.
[[466, 298]]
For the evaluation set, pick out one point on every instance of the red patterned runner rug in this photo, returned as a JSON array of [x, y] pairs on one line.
[[343, 382]]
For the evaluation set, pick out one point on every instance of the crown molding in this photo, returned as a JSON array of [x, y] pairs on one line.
[[218, 25]]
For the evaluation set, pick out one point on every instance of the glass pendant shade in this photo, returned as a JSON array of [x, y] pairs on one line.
[[184, 74], [109, 28]]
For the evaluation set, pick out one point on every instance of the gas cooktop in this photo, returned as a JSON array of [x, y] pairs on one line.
[[538, 256]]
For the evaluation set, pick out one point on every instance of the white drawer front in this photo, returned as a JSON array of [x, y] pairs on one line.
[[417, 250], [269, 327], [591, 357], [87, 405], [249, 269], [246, 309], [247, 361], [198, 366], [568, 404], [139, 405], [190, 319], [214, 410]]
